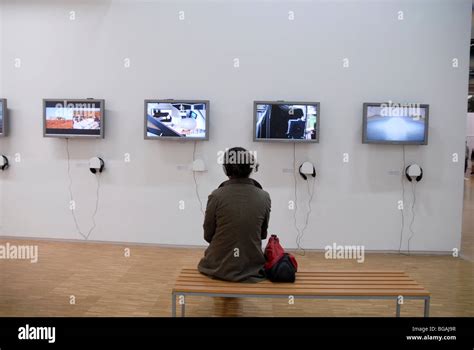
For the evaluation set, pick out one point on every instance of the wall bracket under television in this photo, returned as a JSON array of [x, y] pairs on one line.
[[395, 123], [284, 121], [79, 118], [176, 120]]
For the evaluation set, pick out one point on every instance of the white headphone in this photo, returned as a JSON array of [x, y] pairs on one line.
[[307, 168], [414, 171]]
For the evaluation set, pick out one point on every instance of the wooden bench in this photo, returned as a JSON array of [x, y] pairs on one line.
[[309, 285]]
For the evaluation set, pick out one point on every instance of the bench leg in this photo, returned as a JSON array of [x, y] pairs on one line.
[[427, 307], [397, 312], [173, 305], [183, 306]]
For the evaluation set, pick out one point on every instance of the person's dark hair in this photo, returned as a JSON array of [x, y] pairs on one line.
[[238, 162]]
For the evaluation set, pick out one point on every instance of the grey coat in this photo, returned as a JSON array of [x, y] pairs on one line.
[[235, 224]]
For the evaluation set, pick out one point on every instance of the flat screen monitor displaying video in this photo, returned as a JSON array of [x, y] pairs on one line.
[[177, 119], [286, 121], [3, 117], [390, 123], [73, 118]]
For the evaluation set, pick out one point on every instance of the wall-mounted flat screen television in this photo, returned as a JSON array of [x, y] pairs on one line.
[[177, 119], [286, 121], [73, 118], [392, 123], [3, 117]]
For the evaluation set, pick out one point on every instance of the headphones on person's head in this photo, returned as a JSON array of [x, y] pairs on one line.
[[414, 171], [251, 160], [255, 167], [5, 163], [307, 168]]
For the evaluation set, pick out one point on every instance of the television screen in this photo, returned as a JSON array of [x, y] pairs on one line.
[[73, 118], [181, 120], [390, 123], [286, 121], [3, 116]]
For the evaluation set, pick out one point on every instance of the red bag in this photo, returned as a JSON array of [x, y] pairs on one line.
[[279, 266]]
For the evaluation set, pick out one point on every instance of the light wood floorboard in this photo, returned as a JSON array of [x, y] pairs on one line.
[[106, 283]]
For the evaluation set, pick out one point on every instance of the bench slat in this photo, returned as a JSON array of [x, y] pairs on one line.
[[355, 276], [303, 282], [298, 278], [303, 292], [299, 285], [283, 290], [331, 272]]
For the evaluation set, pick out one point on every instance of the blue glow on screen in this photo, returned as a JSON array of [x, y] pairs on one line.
[[409, 128]]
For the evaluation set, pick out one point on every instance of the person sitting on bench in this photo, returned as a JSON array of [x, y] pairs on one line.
[[236, 222]]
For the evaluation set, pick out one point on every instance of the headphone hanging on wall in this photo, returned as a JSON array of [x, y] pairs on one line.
[[307, 168], [414, 171], [96, 165], [4, 163]]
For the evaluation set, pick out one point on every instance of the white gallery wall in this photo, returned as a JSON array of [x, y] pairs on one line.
[[285, 50]]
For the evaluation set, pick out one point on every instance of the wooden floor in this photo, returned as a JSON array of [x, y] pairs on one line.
[[106, 283]]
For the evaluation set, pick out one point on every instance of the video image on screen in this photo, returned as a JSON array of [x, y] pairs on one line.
[[177, 119], [73, 118], [399, 124], [2, 104], [286, 121]]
